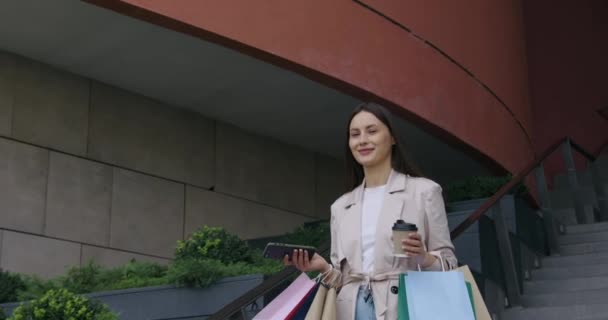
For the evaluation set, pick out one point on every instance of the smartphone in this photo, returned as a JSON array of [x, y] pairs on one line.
[[278, 251]]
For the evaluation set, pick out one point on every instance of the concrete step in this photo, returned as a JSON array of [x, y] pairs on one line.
[[577, 312], [586, 228], [568, 298], [578, 238], [583, 248], [565, 285], [562, 198], [574, 260], [584, 179], [570, 272], [567, 216]]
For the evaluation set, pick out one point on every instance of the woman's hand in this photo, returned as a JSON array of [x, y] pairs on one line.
[[304, 264], [414, 248]]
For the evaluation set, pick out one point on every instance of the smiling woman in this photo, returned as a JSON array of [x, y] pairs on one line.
[[385, 188]]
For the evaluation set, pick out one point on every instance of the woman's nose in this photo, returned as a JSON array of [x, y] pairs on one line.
[[363, 139]]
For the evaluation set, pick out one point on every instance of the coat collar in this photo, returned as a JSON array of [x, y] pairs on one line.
[[396, 183]]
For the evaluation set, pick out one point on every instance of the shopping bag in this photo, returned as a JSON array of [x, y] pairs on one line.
[[480, 310], [301, 311], [438, 295], [329, 308], [479, 306], [316, 308], [323, 306], [287, 301], [403, 312]]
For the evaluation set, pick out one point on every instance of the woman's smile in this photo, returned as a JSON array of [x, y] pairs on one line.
[[365, 151]]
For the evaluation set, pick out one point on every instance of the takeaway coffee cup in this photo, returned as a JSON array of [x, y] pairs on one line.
[[401, 231]]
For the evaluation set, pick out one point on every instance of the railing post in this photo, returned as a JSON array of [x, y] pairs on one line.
[[545, 207], [579, 209], [600, 192], [506, 255]]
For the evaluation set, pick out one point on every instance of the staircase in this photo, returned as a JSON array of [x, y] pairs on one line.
[[573, 284]]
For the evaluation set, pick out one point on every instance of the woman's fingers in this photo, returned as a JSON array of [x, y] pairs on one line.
[[413, 250], [299, 259], [306, 259], [295, 257], [286, 260], [413, 245]]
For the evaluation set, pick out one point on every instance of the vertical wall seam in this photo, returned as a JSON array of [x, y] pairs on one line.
[[2, 233], [184, 213], [112, 187], [14, 99], [215, 156], [81, 246], [46, 192], [88, 137]]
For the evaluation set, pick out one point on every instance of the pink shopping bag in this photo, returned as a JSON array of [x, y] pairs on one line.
[[285, 303]]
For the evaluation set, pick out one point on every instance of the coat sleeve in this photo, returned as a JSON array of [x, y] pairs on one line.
[[438, 239], [334, 276]]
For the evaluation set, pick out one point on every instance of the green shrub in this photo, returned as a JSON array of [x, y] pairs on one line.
[[204, 272], [196, 272], [10, 285], [62, 304], [35, 287], [2, 315], [82, 279], [93, 278], [215, 244]]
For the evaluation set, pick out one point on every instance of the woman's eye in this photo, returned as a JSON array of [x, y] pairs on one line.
[[372, 131], [354, 134]]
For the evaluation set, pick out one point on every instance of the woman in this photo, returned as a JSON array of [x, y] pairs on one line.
[[385, 188]]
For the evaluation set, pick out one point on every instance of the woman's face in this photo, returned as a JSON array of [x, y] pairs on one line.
[[369, 140]]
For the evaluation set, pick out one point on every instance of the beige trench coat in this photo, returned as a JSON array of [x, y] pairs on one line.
[[415, 200]]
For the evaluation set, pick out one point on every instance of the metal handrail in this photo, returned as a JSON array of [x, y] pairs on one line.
[[252, 295]]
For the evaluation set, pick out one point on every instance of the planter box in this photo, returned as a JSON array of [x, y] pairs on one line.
[[170, 302]]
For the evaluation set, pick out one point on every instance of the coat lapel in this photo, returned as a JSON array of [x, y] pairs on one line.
[[391, 211], [351, 229]]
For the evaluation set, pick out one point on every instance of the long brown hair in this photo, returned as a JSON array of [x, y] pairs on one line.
[[400, 162]]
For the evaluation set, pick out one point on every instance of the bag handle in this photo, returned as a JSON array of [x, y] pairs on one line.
[[323, 277]]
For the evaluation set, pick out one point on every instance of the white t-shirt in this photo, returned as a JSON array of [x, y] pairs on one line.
[[372, 204]]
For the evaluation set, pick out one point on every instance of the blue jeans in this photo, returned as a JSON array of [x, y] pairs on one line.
[[364, 309]]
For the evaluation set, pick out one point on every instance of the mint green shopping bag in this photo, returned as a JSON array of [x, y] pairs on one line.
[[402, 309]]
